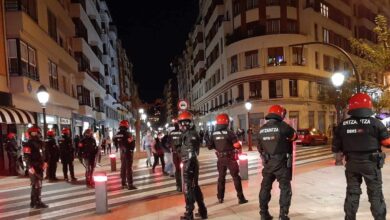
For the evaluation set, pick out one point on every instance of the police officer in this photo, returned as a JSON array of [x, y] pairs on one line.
[[67, 154], [275, 148], [226, 144], [126, 143], [88, 150], [12, 152], [360, 138], [175, 144], [189, 152], [52, 154], [36, 162]]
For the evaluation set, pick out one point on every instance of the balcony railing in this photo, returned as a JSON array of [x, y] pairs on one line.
[[237, 36]]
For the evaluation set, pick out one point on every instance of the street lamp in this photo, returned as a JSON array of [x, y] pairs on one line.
[[143, 116], [148, 124], [337, 79], [248, 107], [141, 111], [43, 98]]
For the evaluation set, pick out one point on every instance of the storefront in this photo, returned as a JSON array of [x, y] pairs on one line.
[[82, 123]]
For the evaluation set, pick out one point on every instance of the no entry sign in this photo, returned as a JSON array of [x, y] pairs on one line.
[[182, 105]]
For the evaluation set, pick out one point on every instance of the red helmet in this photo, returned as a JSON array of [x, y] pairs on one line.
[[11, 135], [124, 123], [222, 119], [34, 131], [51, 133], [360, 105], [65, 131], [277, 110], [184, 116]]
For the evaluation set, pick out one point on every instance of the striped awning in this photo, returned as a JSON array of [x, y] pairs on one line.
[[10, 115]]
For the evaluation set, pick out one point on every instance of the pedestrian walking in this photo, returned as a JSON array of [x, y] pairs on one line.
[[169, 168], [189, 155], [108, 144], [88, 151], [147, 142], [104, 145], [175, 144], [67, 154], [227, 145], [275, 148], [126, 143], [360, 138], [12, 148], [52, 152], [36, 163], [158, 152]]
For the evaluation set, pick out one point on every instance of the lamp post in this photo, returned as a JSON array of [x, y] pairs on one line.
[[43, 98], [248, 107]]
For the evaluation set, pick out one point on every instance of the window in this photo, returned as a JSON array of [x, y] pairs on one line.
[[272, 2], [251, 4], [315, 32], [321, 91], [240, 92], [53, 75], [325, 35], [28, 6], [298, 56], [292, 26], [273, 26], [65, 85], [317, 60], [275, 56], [293, 87], [311, 89], [83, 62], [251, 59], [336, 64], [234, 64], [294, 115], [12, 56], [324, 9], [275, 89], [292, 3], [255, 90], [311, 119], [22, 60], [83, 95], [327, 66], [236, 8], [52, 25]]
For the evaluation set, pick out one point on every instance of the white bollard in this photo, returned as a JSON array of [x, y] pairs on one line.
[[100, 179], [243, 163]]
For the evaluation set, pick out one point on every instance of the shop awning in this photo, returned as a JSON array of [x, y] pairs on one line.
[[10, 115]]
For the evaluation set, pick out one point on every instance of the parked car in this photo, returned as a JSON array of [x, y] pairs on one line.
[[311, 137]]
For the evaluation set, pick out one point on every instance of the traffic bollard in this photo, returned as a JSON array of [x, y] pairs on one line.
[[100, 179], [243, 162], [182, 177], [113, 162]]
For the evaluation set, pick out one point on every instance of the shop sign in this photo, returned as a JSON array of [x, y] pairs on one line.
[[64, 121], [78, 123]]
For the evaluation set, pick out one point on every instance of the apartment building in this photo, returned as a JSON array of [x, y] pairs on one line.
[[171, 100], [240, 51]]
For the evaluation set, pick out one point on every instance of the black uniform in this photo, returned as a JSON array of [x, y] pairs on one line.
[[359, 138], [126, 143], [222, 141], [275, 148], [189, 151], [12, 153], [174, 138], [53, 155], [35, 158], [88, 151], [67, 156]]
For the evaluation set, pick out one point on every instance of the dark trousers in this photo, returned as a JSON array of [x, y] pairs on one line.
[[177, 160], [356, 171], [192, 191], [161, 157], [223, 164], [12, 164], [273, 170], [89, 168], [36, 186], [65, 165], [51, 169], [127, 168]]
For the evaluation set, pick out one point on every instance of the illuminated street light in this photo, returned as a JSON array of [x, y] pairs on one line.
[[143, 116], [43, 98], [141, 111], [337, 79], [148, 124], [248, 107]]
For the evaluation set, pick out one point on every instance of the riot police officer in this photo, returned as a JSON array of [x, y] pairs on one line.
[[189, 152], [67, 154], [52, 155], [36, 163], [360, 138], [126, 143], [88, 150], [175, 144], [226, 144], [12, 152], [275, 148]]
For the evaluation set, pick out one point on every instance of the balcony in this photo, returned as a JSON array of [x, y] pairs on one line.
[[99, 78], [97, 52], [238, 35]]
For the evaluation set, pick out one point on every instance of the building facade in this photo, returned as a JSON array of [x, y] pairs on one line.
[[171, 100], [240, 51]]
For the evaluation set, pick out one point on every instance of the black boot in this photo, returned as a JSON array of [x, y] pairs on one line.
[[242, 200], [202, 213], [187, 216], [283, 214], [39, 204], [131, 187], [220, 200], [33, 198], [178, 188], [266, 216]]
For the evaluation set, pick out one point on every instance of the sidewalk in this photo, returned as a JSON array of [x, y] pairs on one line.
[[318, 193]]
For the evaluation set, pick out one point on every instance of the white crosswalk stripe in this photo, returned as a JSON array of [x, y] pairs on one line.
[[67, 200]]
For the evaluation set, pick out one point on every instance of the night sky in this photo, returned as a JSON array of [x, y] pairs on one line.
[[153, 33]]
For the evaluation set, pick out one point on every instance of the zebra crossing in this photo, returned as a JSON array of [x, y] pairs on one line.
[[67, 200]]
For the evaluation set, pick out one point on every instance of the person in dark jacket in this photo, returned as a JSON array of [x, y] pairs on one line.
[[52, 154], [189, 154], [67, 154], [226, 144], [36, 163], [158, 152], [360, 138], [126, 143], [12, 149], [88, 151], [275, 148]]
